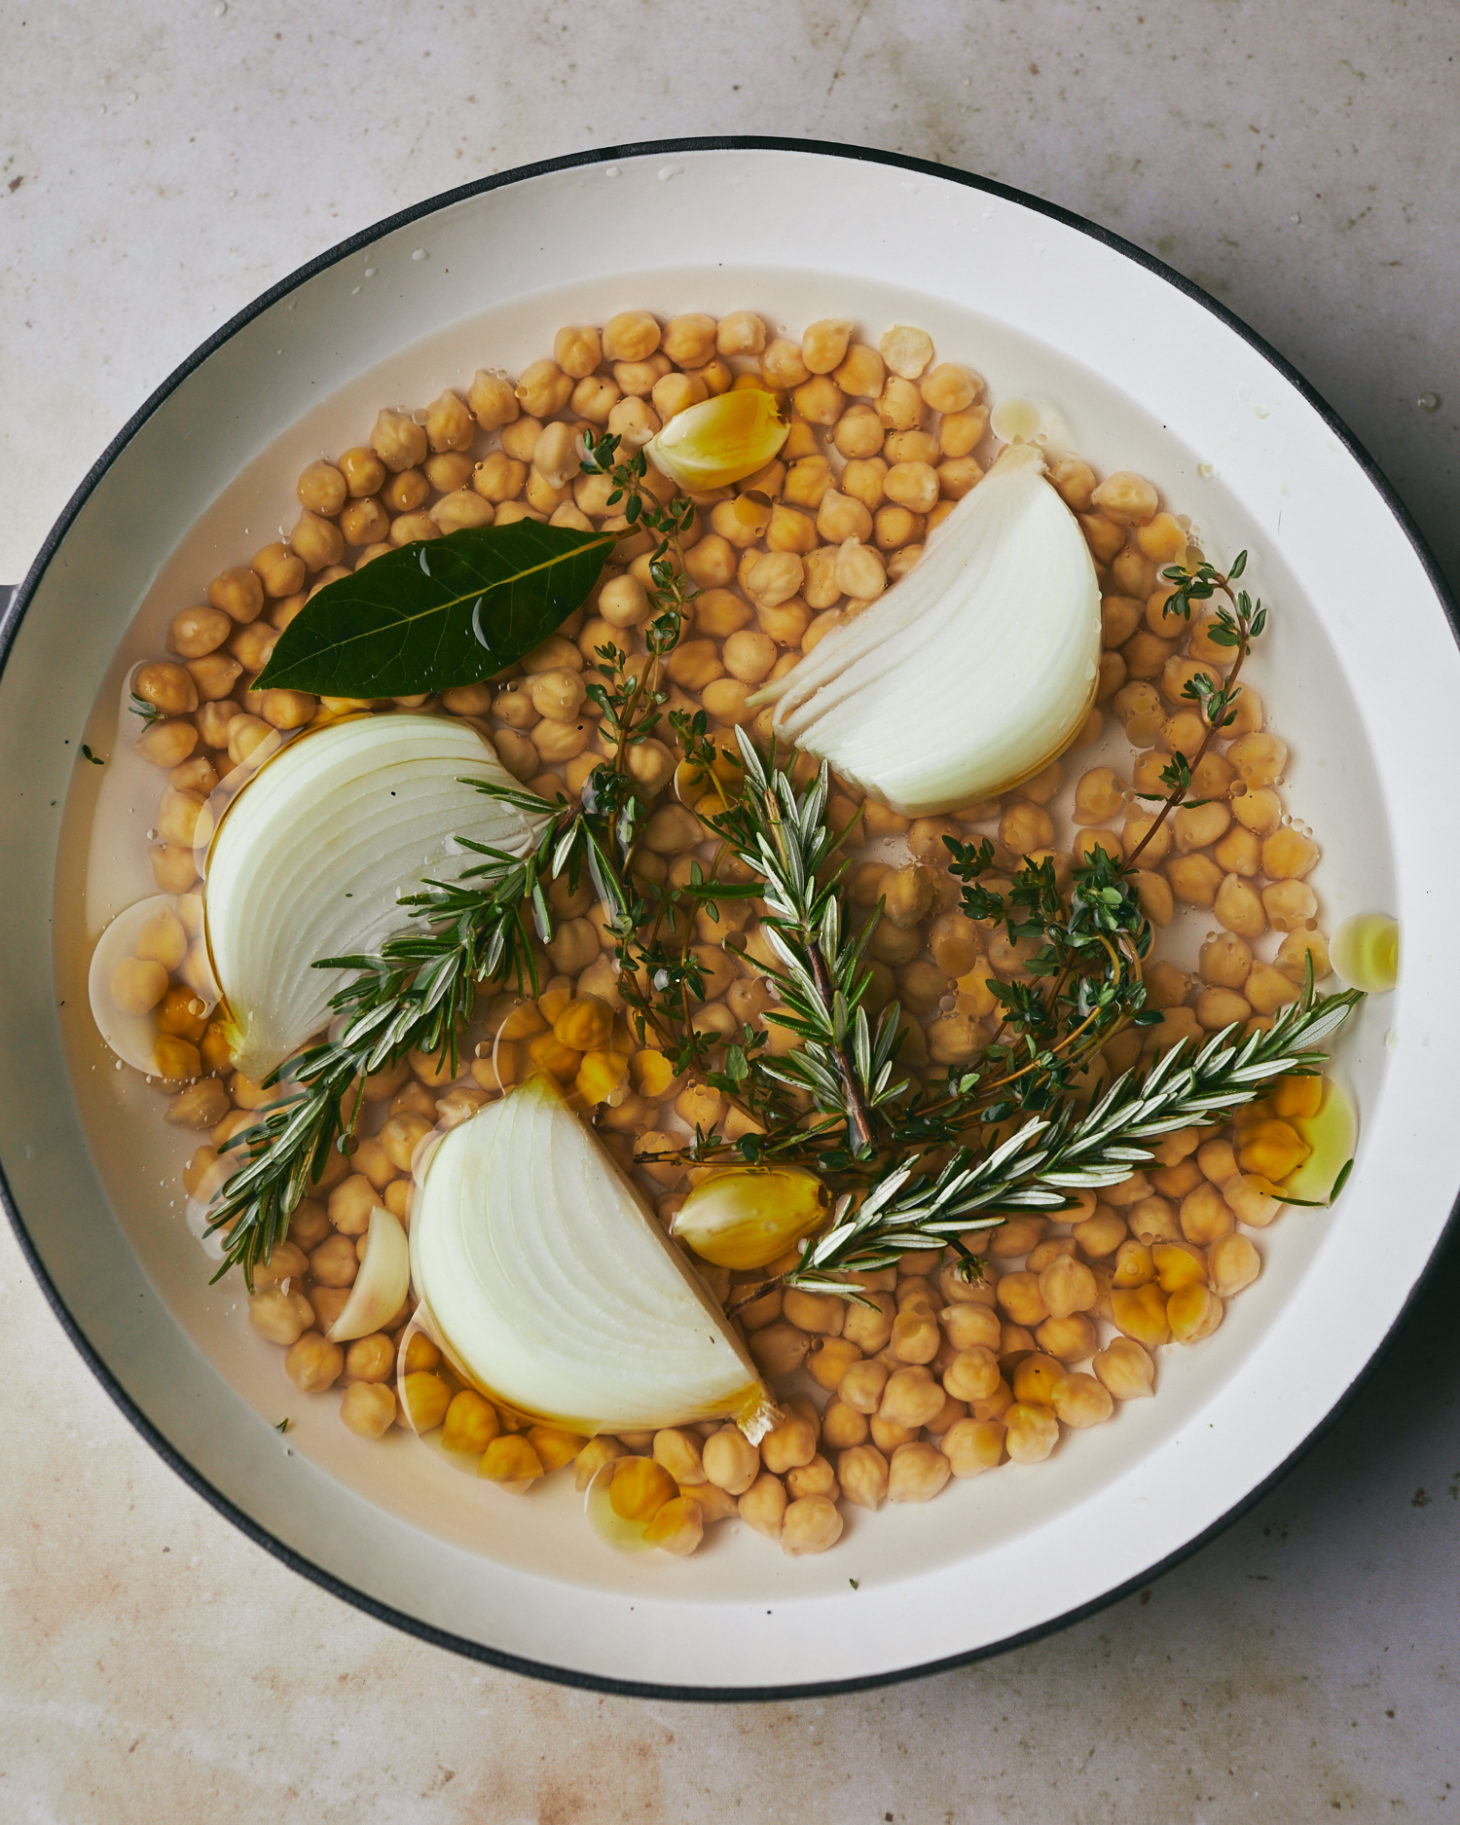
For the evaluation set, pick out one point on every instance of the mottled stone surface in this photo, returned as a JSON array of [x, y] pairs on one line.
[[161, 165]]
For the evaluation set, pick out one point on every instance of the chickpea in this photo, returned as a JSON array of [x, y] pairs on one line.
[[1030, 1433], [1194, 879], [368, 1409], [915, 1337], [137, 985], [967, 1325], [679, 1452], [308, 1225], [842, 1426], [861, 1387], [763, 1505], [917, 1473], [901, 405], [213, 677], [1067, 1286], [1101, 1234], [1232, 1263], [577, 350], [318, 542], [558, 696], [1194, 1312], [689, 340], [334, 1262], [1150, 1220], [1127, 497], [1082, 1400], [788, 1444], [280, 1317], [1126, 1369], [1019, 1296], [313, 1363], [1268, 989], [1259, 759], [749, 654], [814, 1479], [862, 1472], [913, 485], [954, 942], [1259, 810], [950, 388], [1288, 855], [1199, 826], [778, 1349], [371, 1359], [973, 1374], [821, 1314], [196, 631], [730, 1461], [910, 1398], [1140, 1313]]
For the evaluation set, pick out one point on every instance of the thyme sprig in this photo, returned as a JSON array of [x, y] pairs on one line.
[[1050, 1156], [1239, 620], [415, 994], [1085, 976], [630, 696]]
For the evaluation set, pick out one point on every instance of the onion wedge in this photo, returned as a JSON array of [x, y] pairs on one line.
[[550, 1287], [314, 855], [975, 670]]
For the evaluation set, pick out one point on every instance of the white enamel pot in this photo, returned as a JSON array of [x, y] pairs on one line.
[[1143, 372]]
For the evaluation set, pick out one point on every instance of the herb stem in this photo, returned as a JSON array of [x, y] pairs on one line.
[[1216, 715]]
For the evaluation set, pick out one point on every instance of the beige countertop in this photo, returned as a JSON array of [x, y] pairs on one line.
[[161, 165]]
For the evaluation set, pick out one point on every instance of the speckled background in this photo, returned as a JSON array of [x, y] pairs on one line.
[[159, 165]]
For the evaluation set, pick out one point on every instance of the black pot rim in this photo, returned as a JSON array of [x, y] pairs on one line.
[[12, 615]]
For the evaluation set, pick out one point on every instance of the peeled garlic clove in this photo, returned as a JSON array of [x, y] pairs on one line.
[[550, 1286], [314, 855], [971, 673], [382, 1283], [746, 1216], [720, 440]]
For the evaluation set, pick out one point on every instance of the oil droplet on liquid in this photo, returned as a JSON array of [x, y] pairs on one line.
[[1365, 952], [1015, 420], [1429, 402], [1331, 1134]]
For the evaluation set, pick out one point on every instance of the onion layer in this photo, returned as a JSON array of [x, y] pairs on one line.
[[971, 673], [312, 859], [549, 1284]]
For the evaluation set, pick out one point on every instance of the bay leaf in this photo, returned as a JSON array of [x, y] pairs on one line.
[[440, 612]]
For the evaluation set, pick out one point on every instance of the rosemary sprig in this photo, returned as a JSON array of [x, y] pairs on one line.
[[843, 1064], [1050, 1156], [415, 994], [149, 712]]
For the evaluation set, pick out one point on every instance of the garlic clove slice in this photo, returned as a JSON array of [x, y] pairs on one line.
[[551, 1287], [314, 855], [382, 1283], [720, 440], [971, 673]]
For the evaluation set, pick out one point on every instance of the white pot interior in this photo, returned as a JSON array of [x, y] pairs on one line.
[[1133, 374]]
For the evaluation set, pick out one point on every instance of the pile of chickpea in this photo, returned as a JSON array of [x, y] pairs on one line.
[[934, 1377]]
